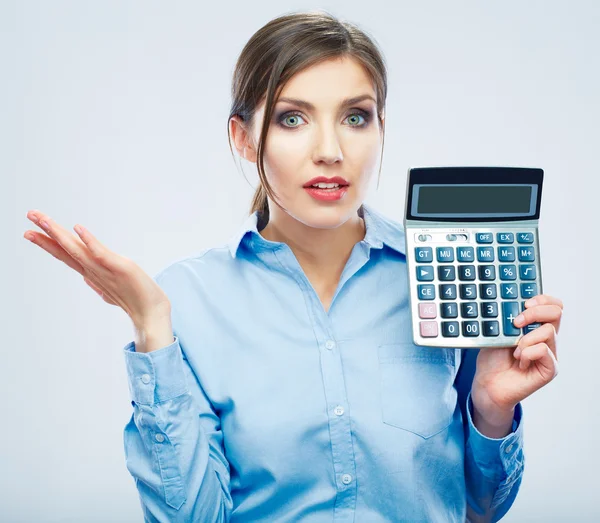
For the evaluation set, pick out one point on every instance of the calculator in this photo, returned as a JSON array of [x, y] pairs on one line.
[[472, 253]]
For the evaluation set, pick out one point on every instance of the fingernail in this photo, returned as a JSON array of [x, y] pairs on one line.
[[30, 237], [517, 352], [44, 225], [519, 318]]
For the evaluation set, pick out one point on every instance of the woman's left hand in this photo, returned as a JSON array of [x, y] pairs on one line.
[[505, 377]]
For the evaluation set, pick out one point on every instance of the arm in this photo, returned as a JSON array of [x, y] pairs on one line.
[[173, 442], [493, 466]]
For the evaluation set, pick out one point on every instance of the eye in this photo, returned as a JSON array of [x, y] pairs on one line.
[[359, 113], [364, 116], [289, 115]]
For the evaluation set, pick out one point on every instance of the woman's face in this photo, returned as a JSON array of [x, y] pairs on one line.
[[328, 139]]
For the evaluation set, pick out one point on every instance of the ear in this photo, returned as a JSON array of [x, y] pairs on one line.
[[242, 138]]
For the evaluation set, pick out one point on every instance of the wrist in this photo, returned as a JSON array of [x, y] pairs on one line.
[[153, 335], [491, 420]]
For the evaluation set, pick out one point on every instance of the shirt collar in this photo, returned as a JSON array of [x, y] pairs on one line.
[[380, 230]]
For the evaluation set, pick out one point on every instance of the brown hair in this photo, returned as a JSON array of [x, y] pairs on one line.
[[281, 48]]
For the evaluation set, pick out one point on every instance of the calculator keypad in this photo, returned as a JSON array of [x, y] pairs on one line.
[[476, 290]]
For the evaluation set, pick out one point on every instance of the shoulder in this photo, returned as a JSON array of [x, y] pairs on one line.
[[210, 264]]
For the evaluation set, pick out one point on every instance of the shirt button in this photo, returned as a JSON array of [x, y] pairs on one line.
[[346, 478], [146, 378], [329, 344], [508, 449], [339, 410], [159, 437]]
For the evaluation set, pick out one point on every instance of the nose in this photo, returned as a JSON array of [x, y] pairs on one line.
[[327, 145]]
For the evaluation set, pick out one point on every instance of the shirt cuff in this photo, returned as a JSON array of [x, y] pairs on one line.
[[496, 455], [155, 376]]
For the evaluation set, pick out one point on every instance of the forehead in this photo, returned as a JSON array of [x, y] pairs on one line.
[[329, 80]]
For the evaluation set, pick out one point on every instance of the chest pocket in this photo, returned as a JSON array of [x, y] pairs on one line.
[[417, 387]]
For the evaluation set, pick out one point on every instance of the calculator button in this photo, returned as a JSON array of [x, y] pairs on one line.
[[505, 237], [506, 254], [525, 237], [424, 237], [528, 290], [508, 272], [531, 327], [491, 328], [487, 272], [527, 272], [427, 310], [449, 310], [445, 254], [429, 329], [457, 237], [424, 273], [468, 291], [424, 254], [510, 310], [446, 272], [484, 237], [487, 291], [526, 254], [489, 310], [468, 309], [450, 329], [465, 254], [448, 291], [466, 272], [485, 254], [426, 291], [470, 328], [509, 291]]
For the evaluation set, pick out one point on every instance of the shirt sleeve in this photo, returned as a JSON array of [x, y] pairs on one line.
[[493, 466], [173, 441]]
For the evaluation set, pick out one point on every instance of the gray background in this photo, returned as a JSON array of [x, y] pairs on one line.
[[114, 115]]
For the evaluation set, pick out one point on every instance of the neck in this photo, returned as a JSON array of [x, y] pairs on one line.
[[322, 253]]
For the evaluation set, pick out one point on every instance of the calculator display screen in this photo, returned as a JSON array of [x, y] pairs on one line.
[[473, 200]]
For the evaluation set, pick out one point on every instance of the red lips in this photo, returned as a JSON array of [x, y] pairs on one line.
[[321, 179]]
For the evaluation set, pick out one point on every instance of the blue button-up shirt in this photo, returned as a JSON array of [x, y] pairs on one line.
[[267, 408]]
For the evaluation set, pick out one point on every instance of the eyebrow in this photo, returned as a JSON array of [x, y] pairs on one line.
[[345, 103]]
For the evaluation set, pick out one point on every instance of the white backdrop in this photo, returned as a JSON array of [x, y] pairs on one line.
[[114, 115]]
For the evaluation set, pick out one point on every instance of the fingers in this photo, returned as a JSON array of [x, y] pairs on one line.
[[551, 313], [51, 246], [544, 299], [543, 334], [96, 248], [70, 243], [546, 363]]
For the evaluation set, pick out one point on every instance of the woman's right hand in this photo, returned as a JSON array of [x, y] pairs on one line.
[[118, 280]]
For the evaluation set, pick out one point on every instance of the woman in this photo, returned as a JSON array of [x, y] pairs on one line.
[[274, 378]]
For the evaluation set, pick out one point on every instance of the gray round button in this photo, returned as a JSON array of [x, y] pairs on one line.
[[159, 437], [329, 344], [508, 449], [146, 378], [339, 410], [346, 478]]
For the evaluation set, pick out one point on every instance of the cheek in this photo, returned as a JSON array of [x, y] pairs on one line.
[[284, 158]]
